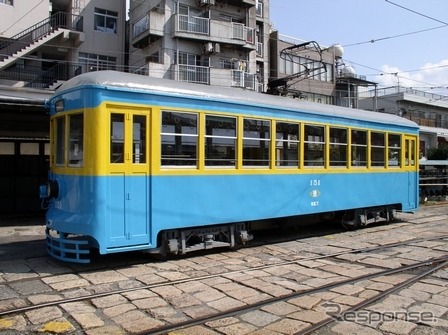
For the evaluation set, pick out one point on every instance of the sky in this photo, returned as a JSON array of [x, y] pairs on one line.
[[391, 42]]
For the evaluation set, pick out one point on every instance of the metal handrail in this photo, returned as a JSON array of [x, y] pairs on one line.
[[60, 71], [39, 30]]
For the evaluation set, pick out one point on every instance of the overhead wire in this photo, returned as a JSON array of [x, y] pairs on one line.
[[347, 45]]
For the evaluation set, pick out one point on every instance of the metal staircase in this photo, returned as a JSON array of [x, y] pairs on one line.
[[9, 59], [60, 26]]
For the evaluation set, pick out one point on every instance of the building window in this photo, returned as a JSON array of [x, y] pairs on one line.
[[140, 26], [94, 62], [7, 2], [106, 20]]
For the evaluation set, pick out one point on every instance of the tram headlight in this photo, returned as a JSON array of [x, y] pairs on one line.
[[52, 189]]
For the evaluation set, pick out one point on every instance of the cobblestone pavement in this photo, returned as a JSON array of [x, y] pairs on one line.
[[148, 294]]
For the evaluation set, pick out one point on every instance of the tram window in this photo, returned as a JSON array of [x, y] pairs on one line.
[[287, 144], [117, 138], [76, 140], [220, 140], [359, 147], [256, 140], [139, 139], [179, 138], [60, 141], [411, 153], [338, 147], [394, 150], [314, 146], [378, 149]]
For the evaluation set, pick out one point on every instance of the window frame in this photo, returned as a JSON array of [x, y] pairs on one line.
[[317, 141], [105, 16], [264, 161], [280, 144], [337, 145], [232, 162], [180, 136]]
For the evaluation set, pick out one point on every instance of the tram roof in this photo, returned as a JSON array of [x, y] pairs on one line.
[[134, 82]]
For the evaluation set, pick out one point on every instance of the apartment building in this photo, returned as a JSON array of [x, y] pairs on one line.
[[42, 44], [428, 110], [212, 42]]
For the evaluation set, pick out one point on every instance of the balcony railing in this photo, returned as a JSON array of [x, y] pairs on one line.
[[193, 74], [243, 79], [241, 32], [193, 24], [39, 30]]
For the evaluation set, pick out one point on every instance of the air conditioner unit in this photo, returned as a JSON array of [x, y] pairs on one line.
[[217, 48], [208, 47]]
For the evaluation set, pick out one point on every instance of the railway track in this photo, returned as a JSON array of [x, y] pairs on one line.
[[334, 255], [435, 265], [348, 256]]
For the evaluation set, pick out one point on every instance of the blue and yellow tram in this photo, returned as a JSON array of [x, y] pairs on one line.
[[140, 163]]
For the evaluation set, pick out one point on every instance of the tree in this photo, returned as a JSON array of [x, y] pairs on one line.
[[440, 153]]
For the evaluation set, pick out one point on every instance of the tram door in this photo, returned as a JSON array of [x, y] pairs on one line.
[[411, 165], [129, 185]]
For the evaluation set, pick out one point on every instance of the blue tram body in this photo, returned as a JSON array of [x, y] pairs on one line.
[[139, 163]]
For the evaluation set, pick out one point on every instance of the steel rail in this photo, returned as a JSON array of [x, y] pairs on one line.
[[245, 309], [186, 280]]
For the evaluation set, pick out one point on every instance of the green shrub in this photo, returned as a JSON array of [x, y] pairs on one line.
[[440, 153]]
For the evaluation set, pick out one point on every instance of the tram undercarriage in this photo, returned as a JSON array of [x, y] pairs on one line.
[[182, 241], [357, 218]]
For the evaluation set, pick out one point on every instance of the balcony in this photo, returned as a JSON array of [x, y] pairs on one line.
[[244, 80], [193, 74], [148, 29], [239, 3], [185, 25], [204, 29]]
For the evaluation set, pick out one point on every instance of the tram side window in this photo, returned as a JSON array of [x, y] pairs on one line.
[[287, 144], [60, 141], [117, 138], [394, 150], [139, 139], [359, 147], [314, 146], [256, 140], [76, 140], [220, 140], [338, 147], [409, 146], [179, 138], [378, 149]]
